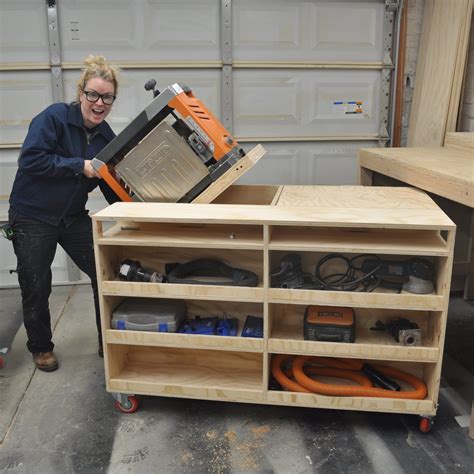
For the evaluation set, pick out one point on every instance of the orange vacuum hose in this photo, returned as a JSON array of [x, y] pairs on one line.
[[342, 368]]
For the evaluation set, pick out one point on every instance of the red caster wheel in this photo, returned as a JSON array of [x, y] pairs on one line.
[[425, 424], [130, 406]]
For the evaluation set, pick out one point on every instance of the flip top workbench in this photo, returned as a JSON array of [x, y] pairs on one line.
[[253, 227]]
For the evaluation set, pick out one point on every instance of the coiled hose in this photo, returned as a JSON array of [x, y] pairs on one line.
[[341, 368]]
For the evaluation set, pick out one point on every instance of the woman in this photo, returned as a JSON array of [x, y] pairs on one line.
[[50, 191]]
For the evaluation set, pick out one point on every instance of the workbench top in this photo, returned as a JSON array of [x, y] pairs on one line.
[[329, 206], [446, 171]]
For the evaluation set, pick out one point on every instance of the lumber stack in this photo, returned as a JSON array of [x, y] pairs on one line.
[[440, 70]]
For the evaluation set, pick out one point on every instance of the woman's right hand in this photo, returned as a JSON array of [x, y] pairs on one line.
[[89, 170]]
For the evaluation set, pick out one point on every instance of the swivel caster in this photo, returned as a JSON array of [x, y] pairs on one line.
[[129, 405], [426, 422]]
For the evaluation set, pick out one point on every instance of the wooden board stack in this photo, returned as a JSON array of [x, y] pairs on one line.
[[440, 70]]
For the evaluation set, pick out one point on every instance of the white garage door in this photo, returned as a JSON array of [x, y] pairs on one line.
[[309, 79]]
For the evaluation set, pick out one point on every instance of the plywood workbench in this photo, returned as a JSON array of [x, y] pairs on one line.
[[446, 172], [253, 227]]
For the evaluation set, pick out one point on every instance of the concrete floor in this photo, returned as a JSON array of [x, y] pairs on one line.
[[65, 422]]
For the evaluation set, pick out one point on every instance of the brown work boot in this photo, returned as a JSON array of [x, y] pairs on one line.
[[45, 361]]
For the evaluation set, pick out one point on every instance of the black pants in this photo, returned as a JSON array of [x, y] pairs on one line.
[[35, 245]]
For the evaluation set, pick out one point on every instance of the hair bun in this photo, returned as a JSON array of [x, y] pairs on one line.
[[94, 61]]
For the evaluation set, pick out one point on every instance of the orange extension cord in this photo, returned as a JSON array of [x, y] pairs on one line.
[[341, 368]]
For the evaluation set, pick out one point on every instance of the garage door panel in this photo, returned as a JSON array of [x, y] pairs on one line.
[[16, 18], [320, 163], [259, 28], [340, 169], [306, 103], [96, 202], [279, 165], [350, 100], [8, 167], [345, 31], [7, 263], [88, 27], [22, 95], [140, 30], [313, 31], [274, 101], [172, 32]]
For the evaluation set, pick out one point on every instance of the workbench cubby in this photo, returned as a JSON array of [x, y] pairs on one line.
[[286, 335], [253, 228], [176, 371], [423, 371]]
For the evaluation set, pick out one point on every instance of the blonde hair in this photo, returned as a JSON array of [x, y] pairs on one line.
[[97, 66]]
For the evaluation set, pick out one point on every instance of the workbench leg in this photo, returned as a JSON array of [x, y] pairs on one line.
[[469, 285], [365, 176]]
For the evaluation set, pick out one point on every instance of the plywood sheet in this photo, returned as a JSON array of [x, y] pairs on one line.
[[402, 208], [459, 69], [462, 141], [442, 32], [444, 171], [231, 175]]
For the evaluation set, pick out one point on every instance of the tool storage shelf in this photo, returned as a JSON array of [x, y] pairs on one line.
[[253, 227], [191, 236], [286, 335], [238, 309]]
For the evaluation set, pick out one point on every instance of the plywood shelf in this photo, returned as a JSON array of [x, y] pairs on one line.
[[176, 371], [368, 345], [219, 237], [376, 299], [171, 290], [416, 407], [192, 341], [396, 242], [181, 380]]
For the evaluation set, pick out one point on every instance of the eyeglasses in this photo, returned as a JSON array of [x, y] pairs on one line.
[[93, 96]]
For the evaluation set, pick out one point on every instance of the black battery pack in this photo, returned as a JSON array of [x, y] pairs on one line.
[[329, 324]]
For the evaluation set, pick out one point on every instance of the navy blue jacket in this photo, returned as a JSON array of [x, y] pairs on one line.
[[49, 185]]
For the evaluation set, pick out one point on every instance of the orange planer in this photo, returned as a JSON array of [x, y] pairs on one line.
[[173, 150]]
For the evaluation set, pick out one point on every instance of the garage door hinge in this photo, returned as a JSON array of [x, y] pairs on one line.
[[387, 60], [392, 5]]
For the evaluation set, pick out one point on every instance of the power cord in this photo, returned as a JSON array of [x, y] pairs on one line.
[[290, 274]]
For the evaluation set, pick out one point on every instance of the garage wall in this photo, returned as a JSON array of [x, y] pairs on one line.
[[295, 65]]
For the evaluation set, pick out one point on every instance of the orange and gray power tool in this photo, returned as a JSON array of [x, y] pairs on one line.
[[173, 150]]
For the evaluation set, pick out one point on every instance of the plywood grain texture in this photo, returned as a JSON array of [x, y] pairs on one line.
[[459, 70], [351, 206], [462, 141], [445, 171], [439, 70], [231, 175]]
